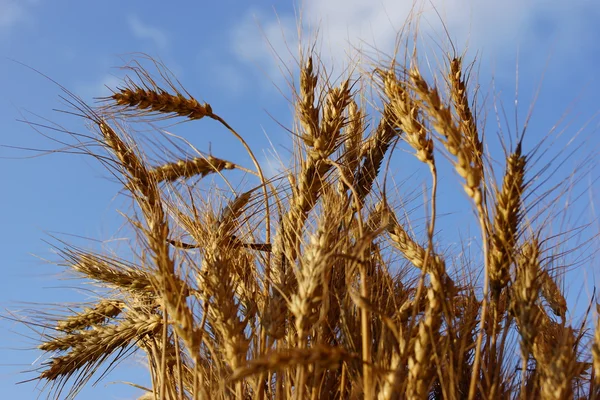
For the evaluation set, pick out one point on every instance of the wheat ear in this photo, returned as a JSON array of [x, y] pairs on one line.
[[555, 352], [102, 311], [506, 221], [466, 165], [553, 295], [319, 356], [372, 153], [596, 350], [406, 115], [201, 166], [524, 296], [110, 272], [160, 101], [466, 117], [88, 347]]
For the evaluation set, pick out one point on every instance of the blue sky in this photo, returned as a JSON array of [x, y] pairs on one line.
[[219, 51]]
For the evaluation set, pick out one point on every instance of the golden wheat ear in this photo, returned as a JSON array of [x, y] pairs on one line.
[[596, 351], [199, 166], [147, 98], [87, 349], [104, 310], [507, 221], [160, 102]]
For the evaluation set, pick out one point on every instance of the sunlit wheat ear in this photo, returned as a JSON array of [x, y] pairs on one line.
[[320, 144], [524, 296], [102, 311], [134, 168], [309, 301], [555, 351], [373, 152], [110, 272], [389, 386], [218, 285], [440, 116], [466, 117], [596, 350], [420, 368], [333, 119], [318, 357], [507, 218], [168, 367], [407, 116], [318, 254], [199, 166], [308, 113], [410, 249], [353, 134], [232, 211], [350, 150], [87, 348], [156, 100], [525, 290], [553, 295], [467, 311]]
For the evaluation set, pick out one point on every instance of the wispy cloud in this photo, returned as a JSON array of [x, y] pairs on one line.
[[229, 78], [534, 27], [267, 42], [499, 26], [141, 30], [13, 12], [100, 88]]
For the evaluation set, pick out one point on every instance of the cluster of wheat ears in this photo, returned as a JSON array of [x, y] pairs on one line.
[[313, 284]]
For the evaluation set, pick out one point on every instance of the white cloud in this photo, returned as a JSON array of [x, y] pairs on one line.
[[143, 31], [260, 39], [500, 28]]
